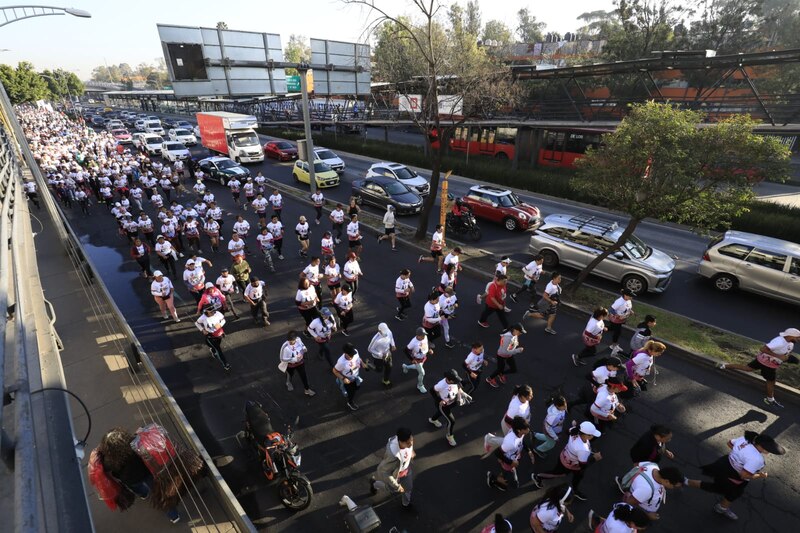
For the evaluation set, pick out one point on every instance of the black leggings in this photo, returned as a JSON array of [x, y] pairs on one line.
[[588, 351], [560, 471], [346, 319], [215, 343], [501, 366], [301, 369], [309, 314], [319, 211], [278, 245], [501, 314], [405, 303], [384, 365], [443, 410], [615, 330]]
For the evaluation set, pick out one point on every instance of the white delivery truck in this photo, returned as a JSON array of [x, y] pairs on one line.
[[231, 134]]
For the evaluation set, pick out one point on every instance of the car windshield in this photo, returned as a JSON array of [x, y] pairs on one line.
[[119, 132], [155, 140], [404, 173], [635, 247], [182, 132], [226, 163], [183, 124], [153, 124], [245, 139], [326, 154], [508, 200], [283, 145], [321, 167], [175, 146], [394, 187]]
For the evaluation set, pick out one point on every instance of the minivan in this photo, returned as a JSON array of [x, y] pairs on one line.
[[153, 126], [754, 263], [575, 241]]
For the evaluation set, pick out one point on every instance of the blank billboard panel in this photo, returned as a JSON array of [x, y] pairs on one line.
[[341, 54], [187, 61]]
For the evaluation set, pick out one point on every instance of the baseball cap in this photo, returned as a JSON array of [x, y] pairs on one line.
[[589, 429], [452, 375], [209, 285], [617, 382], [506, 260], [791, 332], [390, 207], [224, 269], [627, 292], [157, 273], [421, 331], [325, 311], [189, 262], [518, 327], [769, 444], [160, 237]]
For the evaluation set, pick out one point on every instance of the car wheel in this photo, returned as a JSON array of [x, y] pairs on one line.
[[634, 283], [358, 199], [510, 223], [238, 160], [222, 180], [550, 259], [725, 282], [501, 155], [296, 179]]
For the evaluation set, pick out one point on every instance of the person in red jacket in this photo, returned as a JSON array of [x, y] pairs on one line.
[[495, 302], [141, 253], [213, 296]]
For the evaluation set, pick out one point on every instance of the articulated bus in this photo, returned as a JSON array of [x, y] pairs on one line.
[[560, 146]]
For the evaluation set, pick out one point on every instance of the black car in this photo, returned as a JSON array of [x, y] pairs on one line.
[[381, 191], [223, 169]]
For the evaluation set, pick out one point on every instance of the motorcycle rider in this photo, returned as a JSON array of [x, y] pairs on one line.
[[460, 213]]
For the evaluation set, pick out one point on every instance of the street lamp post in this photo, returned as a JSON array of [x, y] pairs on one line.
[[303, 69], [15, 13]]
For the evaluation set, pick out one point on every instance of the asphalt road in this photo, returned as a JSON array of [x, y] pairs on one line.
[[688, 294], [341, 449]]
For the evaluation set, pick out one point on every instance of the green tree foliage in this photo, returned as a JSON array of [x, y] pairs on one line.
[[659, 164], [62, 84], [727, 26], [644, 26], [472, 18], [297, 51], [23, 84], [396, 56], [599, 25], [496, 30], [529, 30]]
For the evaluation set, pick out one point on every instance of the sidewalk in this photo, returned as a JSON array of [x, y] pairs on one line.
[[97, 370]]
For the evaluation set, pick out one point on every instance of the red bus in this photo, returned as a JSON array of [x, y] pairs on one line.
[[485, 140], [561, 147]]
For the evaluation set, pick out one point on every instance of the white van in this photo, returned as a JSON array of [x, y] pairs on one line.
[[754, 263]]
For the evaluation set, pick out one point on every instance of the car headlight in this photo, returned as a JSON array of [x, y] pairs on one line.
[[523, 216]]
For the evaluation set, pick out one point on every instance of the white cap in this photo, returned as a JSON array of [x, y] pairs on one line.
[[791, 332], [157, 273], [383, 329], [589, 429]]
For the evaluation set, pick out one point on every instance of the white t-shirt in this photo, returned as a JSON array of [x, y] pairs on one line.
[[312, 274], [344, 301], [446, 391], [474, 361], [447, 304], [302, 230], [333, 274], [602, 373], [576, 451], [402, 287], [321, 329], [605, 403], [650, 499], [265, 240], [451, 259], [276, 200], [418, 348], [349, 369], [161, 288], [254, 293], [236, 247], [549, 515], [745, 456], [613, 525], [642, 363], [431, 314], [437, 241], [621, 307], [512, 446], [260, 205], [293, 353], [595, 327], [352, 270], [518, 408], [532, 271], [353, 231], [338, 216], [276, 228], [552, 289], [241, 227], [225, 283], [554, 421]]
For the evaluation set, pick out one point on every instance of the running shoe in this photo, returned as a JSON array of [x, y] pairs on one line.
[[537, 481], [289, 386], [483, 324], [435, 422], [502, 378], [492, 382], [550, 331], [352, 406], [513, 297], [619, 484], [772, 402], [580, 496], [725, 512], [422, 389], [451, 440], [310, 393]]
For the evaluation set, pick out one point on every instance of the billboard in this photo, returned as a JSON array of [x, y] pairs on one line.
[[449, 104], [347, 69], [217, 62]]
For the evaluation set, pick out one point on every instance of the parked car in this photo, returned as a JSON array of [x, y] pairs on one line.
[[502, 206], [182, 135], [223, 169], [381, 191], [575, 241], [329, 158], [150, 142], [139, 125], [122, 136], [401, 173], [754, 263], [325, 175], [173, 151], [114, 124], [98, 121], [280, 150]]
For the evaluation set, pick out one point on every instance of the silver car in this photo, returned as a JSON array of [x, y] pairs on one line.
[[754, 263], [576, 240]]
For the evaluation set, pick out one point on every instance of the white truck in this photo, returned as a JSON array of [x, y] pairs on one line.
[[231, 134]]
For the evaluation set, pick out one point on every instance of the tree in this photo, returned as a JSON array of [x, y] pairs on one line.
[[23, 84], [472, 18], [727, 26], [599, 25], [496, 30], [645, 25], [62, 84], [297, 51], [424, 48], [528, 29], [660, 164]]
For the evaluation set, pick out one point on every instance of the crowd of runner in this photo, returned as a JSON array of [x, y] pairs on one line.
[[171, 217]]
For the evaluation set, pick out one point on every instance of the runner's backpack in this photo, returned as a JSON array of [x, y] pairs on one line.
[[633, 473]]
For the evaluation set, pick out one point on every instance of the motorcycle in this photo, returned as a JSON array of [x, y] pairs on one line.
[[279, 457], [467, 225]]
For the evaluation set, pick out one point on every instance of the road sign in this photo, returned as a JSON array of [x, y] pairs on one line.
[[293, 84]]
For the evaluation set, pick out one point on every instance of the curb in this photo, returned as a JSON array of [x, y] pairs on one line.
[[702, 360]]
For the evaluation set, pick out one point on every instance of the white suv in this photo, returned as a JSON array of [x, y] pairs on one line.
[[173, 151], [764, 265], [576, 240], [401, 173], [183, 136], [150, 142]]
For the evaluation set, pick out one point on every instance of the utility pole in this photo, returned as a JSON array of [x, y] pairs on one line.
[[303, 69]]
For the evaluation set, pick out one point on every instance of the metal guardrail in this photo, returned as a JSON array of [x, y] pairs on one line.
[[46, 473], [38, 443]]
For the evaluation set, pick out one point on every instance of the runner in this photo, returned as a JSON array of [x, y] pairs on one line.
[[318, 200], [352, 272], [312, 274], [547, 306], [321, 328], [210, 325], [770, 357], [509, 347], [592, 335], [437, 247], [394, 473], [326, 247], [276, 228], [652, 446], [344, 308], [530, 273], [211, 227], [642, 333], [140, 252], [509, 454], [446, 394], [575, 458], [306, 300], [624, 518], [260, 207], [388, 227], [403, 289], [276, 200], [167, 254], [448, 303], [418, 351], [337, 222], [606, 405], [227, 286], [354, 236], [303, 231], [293, 353], [520, 405], [641, 363], [236, 190], [163, 293], [495, 303], [553, 425], [256, 295], [333, 276], [646, 485], [432, 317], [619, 312], [474, 365], [380, 348], [347, 370], [550, 511], [249, 192]]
